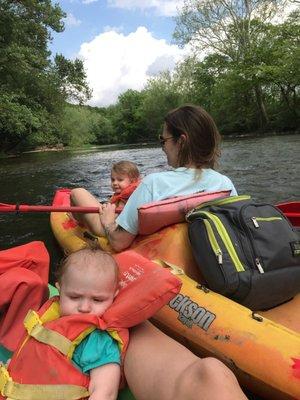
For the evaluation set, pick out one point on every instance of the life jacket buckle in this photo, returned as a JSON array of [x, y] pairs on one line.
[[31, 321]]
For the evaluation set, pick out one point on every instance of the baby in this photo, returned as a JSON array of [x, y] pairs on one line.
[[88, 284]]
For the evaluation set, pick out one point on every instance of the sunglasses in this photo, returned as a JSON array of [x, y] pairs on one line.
[[163, 140]]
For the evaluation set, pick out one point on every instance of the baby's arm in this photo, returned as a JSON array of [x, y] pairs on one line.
[[104, 382]]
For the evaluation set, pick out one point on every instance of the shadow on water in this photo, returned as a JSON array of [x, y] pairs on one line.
[[267, 168]]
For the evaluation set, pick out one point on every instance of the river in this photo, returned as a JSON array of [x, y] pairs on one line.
[[267, 168]]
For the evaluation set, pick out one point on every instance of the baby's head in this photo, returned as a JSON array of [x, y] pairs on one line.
[[87, 282], [123, 173]]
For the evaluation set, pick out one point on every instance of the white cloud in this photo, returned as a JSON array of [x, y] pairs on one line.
[[166, 8], [71, 20], [115, 62], [88, 1]]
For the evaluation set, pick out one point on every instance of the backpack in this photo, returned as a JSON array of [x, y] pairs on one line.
[[246, 251]]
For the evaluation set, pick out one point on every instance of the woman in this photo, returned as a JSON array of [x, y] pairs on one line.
[[157, 367]]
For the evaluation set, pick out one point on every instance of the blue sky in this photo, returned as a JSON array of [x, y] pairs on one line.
[[121, 42]]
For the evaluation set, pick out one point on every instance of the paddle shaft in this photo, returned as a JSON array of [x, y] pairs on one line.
[[26, 208]]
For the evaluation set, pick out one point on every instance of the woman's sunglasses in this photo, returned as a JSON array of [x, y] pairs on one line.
[[163, 140]]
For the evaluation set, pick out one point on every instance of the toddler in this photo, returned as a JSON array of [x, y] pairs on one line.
[[125, 178]]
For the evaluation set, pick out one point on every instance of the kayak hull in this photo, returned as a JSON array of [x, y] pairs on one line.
[[262, 349]]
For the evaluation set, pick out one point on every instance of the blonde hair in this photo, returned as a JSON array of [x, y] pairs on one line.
[[126, 168], [84, 256]]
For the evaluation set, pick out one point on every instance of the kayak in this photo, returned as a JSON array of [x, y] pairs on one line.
[[263, 349]]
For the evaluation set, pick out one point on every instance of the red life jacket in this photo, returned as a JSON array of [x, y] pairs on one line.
[[124, 195], [41, 367]]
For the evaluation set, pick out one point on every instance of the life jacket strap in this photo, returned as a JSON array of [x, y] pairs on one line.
[[17, 391], [35, 328]]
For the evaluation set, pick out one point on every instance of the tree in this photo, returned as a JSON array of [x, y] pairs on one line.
[[233, 29], [160, 96], [32, 87], [72, 78], [127, 120]]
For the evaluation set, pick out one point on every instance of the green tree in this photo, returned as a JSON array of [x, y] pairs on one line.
[[233, 29], [127, 118], [161, 94], [32, 87]]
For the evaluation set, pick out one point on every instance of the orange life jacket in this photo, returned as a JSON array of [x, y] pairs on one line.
[[41, 367], [120, 199]]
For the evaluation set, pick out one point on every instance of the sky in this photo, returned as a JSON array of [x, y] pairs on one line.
[[121, 42]]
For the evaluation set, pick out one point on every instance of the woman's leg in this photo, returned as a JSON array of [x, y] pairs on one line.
[[82, 198], [157, 367]]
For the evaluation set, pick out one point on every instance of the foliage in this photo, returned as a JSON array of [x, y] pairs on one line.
[[250, 68], [244, 70], [33, 89]]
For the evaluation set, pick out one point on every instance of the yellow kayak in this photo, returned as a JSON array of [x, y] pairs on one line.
[[262, 349]]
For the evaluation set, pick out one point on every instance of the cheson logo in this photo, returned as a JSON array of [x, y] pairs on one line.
[[190, 313]]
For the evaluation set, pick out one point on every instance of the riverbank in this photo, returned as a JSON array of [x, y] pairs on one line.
[[90, 148]]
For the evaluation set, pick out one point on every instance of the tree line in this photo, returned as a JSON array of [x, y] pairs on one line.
[[244, 70]]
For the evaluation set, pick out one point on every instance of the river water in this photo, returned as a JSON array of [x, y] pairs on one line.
[[267, 168]]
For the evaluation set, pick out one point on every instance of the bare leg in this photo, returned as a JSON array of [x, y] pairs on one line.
[[157, 367], [82, 198]]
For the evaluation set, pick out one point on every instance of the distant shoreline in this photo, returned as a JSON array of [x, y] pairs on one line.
[[88, 148]]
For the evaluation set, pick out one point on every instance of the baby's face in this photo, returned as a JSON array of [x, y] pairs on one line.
[[86, 290], [119, 182]]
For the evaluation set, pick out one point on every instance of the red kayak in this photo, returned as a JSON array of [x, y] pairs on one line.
[[291, 210]]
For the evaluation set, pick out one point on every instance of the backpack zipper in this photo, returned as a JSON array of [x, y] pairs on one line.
[[264, 219], [213, 242], [254, 252], [226, 240], [217, 202]]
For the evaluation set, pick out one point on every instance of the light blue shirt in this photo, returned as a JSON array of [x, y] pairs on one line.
[[162, 185], [97, 349]]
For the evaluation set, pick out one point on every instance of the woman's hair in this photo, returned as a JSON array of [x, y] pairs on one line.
[[126, 168], [86, 256], [202, 144]]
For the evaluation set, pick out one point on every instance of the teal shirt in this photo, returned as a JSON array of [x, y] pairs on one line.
[[97, 349], [162, 185]]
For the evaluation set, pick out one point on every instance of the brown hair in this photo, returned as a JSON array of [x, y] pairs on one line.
[[127, 168], [202, 144], [104, 261]]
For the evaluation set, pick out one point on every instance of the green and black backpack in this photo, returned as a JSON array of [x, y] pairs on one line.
[[246, 251]]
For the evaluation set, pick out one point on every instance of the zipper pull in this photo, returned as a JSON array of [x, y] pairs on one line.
[[255, 223], [219, 257], [259, 266]]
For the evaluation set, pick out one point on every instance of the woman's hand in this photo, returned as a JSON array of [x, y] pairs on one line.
[[118, 238], [107, 215]]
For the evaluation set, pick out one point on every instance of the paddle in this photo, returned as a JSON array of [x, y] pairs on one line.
[[23, 208]]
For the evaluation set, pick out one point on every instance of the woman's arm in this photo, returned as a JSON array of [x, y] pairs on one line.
[[118, 238], [104, 382]]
